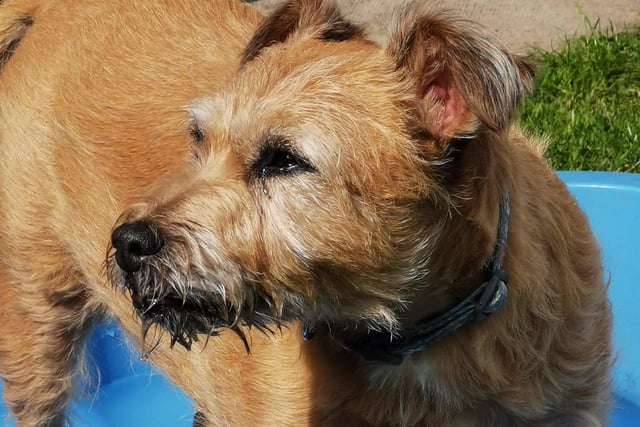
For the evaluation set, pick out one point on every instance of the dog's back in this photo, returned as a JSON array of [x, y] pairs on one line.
[[77, 80], [137, 68]]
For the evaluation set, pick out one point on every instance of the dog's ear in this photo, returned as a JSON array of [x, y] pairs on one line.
[[322, 17], [462, 79]]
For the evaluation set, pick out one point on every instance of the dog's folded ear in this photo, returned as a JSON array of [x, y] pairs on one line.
[[321, 16], [463, 80]]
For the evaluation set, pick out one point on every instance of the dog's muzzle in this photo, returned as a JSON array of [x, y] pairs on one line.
[[171, 295], [137, 246]]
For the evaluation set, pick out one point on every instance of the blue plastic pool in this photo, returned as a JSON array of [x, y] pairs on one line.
[[132, 394], [612, 202]]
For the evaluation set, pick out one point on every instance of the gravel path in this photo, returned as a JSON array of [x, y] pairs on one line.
[[521, 24]]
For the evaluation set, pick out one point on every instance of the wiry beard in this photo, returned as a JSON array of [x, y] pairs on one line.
[[185, 316], [186, 302]]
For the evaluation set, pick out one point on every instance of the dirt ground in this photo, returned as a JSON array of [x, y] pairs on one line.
[[521, 24]]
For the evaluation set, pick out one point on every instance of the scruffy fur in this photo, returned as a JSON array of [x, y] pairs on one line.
[[293, 171]]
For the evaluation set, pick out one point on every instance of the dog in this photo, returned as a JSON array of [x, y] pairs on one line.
[[300, 223]]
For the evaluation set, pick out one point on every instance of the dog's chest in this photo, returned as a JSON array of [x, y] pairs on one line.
[[415, 390]]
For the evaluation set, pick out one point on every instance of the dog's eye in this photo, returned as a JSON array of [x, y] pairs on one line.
[[196, 133], [197, 137], [277, 160]]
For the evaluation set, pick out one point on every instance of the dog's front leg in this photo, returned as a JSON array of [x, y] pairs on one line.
[[43, 327]]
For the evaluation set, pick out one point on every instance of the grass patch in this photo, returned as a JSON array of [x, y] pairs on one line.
[[587, 101]]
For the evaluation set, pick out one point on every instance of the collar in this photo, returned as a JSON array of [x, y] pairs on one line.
[[485, 300]]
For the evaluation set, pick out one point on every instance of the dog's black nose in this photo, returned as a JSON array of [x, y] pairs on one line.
[[134, 241]]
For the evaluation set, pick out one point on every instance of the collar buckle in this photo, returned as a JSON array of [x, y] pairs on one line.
[[493, 297]]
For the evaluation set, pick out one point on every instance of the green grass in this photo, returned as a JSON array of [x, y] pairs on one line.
[[587, 101]]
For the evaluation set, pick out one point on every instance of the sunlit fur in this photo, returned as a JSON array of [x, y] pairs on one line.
[[159, 111]]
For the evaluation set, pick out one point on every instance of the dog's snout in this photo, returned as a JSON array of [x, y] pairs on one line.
[[134, 241]]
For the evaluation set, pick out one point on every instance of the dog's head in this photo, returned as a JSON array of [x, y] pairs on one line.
[[325, 178]]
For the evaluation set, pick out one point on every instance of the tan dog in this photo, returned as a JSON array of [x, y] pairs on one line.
[[319, 184]]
